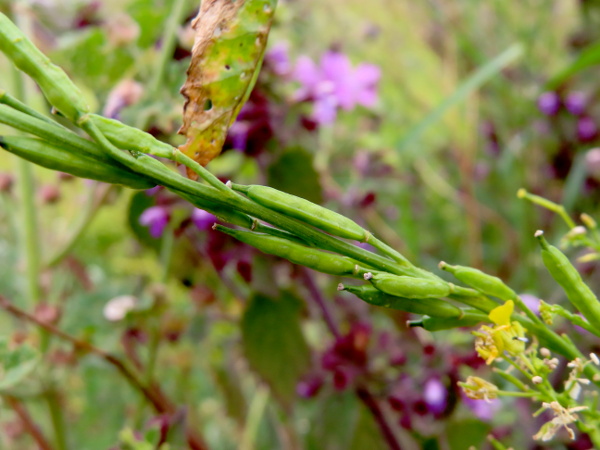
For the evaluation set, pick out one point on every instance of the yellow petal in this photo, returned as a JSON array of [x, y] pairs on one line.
[[501, 314]]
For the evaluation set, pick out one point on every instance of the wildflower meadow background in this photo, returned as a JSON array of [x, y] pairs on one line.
[[128, 322]]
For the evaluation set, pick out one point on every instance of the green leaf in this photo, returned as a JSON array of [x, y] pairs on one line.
[[15, 364], [589, 57], [273, 343], [467, 433], [293, 172], [230, 41]]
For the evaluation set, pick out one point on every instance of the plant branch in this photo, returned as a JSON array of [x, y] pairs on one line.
[[151, 392], [28, 423]]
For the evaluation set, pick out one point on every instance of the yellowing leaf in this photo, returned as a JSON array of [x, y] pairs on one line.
[[230, 41], [501, 314]]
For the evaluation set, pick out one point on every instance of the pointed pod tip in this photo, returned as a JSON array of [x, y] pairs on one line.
[[538, 233], [442, 264]]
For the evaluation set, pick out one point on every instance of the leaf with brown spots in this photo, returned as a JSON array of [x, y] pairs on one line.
[[230, 40]]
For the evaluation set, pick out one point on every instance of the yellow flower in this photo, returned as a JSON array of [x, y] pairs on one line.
[[562, 418], [508, 336], [477, 388]]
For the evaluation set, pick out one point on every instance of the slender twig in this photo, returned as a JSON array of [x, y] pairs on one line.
[[371, 403], [167, 46], [28, 423], [97, 197], [151, 392], [30, 237], [316, 295]]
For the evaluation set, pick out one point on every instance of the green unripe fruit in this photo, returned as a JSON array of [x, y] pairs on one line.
[[470, 318], [480, 281], [294, 252], [563, 272], [305, 211], [56, 158], [430, 306], [409, 287], [60, 91]]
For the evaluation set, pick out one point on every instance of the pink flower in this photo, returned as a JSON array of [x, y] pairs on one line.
[[156, 219], [335, 84]]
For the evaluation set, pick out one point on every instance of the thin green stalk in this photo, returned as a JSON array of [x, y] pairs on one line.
[[14, 103], [166, 252], [30, 236], [167, 47], [57, 417], [92, 207], [255, 415]]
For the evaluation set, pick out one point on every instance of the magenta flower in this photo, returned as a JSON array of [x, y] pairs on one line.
[[156, 219], [549, 103], [278, 60], [202, 219], [586, 129], [576, 103], [335, 84], [435, 395]]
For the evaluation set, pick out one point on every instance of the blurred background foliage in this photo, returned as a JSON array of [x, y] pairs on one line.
[[255, 353]]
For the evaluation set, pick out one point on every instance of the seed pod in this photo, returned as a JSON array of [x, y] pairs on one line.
[[228, 215], [479, 280], [409, 287], [306, 211], [130, 138], [563, 272], [56, 158], [433, 307], [296, 253], [52, 80], [470, 318]]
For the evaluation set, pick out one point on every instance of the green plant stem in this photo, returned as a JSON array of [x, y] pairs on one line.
[[97, 196], [30, 237], [166, 252], [14, 103], [56, 415], [167, 46], [255, 415], [29, 426]]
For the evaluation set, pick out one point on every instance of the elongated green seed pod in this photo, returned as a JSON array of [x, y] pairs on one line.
[[563, 272], [433, 307], [306, 211], [296, 253], [480, 281], [130, 138], [56, 158], [409, 287], [60, 91], [470, 318]]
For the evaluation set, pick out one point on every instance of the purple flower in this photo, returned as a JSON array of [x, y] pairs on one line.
[[335, 84], [576, 103], [252, 129], [309, 386], [549, 103], [202, 219], [483, 410], [532, 302], [586, 129], [278, 59], [156, 219], [435, 396]]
